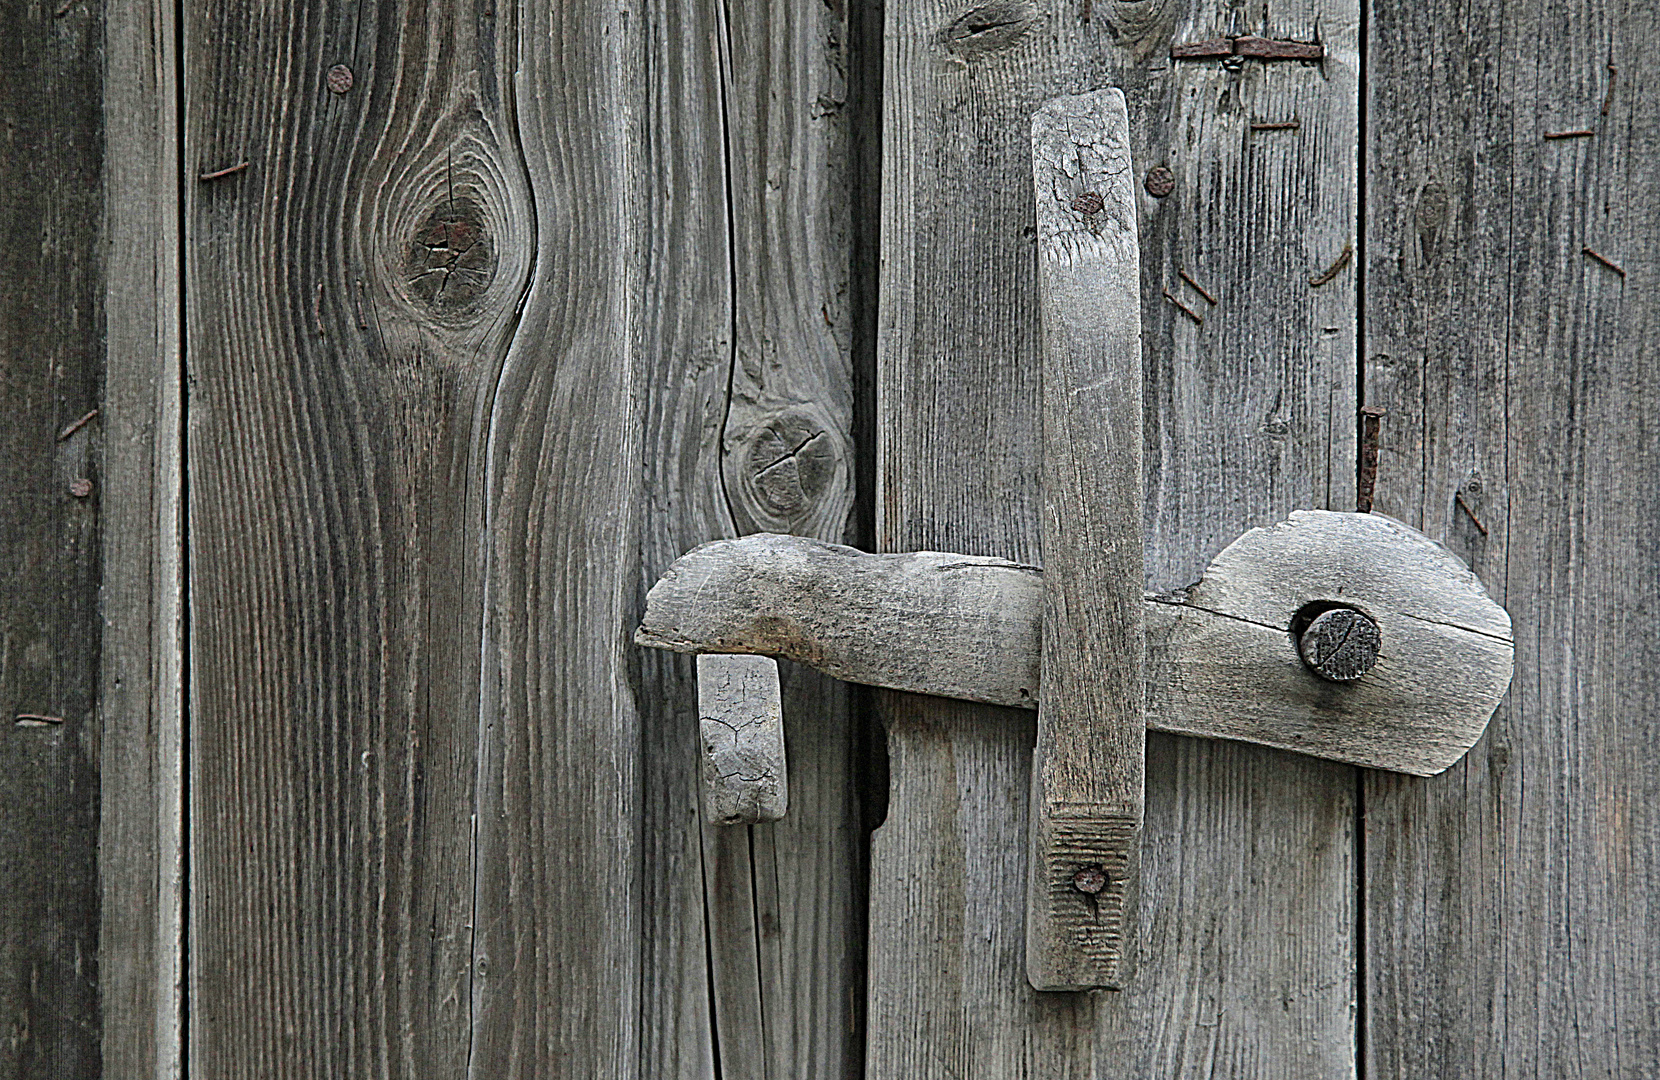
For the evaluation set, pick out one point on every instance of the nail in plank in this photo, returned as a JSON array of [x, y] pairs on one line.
[[1087, 771]]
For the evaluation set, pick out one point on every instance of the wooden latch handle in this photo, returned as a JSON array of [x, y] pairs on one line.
[[1087, 771]]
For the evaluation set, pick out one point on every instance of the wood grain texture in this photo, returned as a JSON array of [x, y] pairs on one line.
[[740, 719], [752, 935], [472, 341], [353, 296], [141, 704], [1510, 914], [1222, 656], [557, 958], [52, 362], [1246, 418], [1087, 763]]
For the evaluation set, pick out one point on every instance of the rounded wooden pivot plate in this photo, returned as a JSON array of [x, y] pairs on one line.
[[1340, 644]]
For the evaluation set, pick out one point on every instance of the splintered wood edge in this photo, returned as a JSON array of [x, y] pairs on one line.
[[741, 727], [1087, 766], [967, 627]]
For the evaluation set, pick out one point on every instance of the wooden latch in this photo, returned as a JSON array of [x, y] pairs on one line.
[[1344, 636]]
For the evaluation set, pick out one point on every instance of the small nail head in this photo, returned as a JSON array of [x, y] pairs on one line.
[[340, 78], [1090, 880], [1341, 644], [1159, 182], [1090, 202], [80, 488]]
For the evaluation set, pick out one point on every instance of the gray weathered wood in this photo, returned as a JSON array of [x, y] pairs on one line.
[[1087, 764], [1247, 418], [141, 701], [752, 935], [438, 320], [365, 865], [1221, 657], [741, 722], [1511, 920], [51, 518]]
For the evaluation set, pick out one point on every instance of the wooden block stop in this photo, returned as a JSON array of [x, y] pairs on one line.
[[740, 713]]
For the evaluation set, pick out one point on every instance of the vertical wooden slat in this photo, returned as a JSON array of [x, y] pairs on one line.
[[557, 959], [1085, 872], [352, 294], [141, 703], [51, 370], [1511, 926], [1246, 418], [748, 398], [440, 804]]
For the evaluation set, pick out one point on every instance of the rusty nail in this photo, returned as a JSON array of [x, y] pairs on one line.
[[1200, 289], [1278, 125], [1159, 182], [1090, 880], [80, 488], [1341, 644], [1184, 309], [1336, 267], [1273, 49], [1604, 260], [1089, 203], [1458, 497], [1582, 133], [340, 78], [76, 425], [216, 174], [1202, 50], [1371, 422]]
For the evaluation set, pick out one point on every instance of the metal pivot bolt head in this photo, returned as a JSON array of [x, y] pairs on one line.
[[1340, 644]]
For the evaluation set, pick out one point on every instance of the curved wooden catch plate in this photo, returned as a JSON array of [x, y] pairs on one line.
[[1221, 663]]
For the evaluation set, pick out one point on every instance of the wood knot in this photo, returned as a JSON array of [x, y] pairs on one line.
[[451, 261], [991, 28], [788, 468]]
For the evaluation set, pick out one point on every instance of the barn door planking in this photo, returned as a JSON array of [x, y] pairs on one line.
[[1511, 926], [1247, 417], [749, 386], [52, 518], [494, 310]]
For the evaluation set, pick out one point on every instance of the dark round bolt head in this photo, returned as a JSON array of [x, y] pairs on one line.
[[1160, 181], [1341, 644], [340, 78], [1090, 202], [1090, 879]]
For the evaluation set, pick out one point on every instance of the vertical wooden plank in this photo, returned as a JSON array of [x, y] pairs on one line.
[[437, 313], [353, 292], [557, 957], [141, 695], [1086, 810], [51, 370], [1510, 923], [1246, 418], [748, 398]]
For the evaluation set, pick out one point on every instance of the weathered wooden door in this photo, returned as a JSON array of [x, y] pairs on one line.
[[365, 362]]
